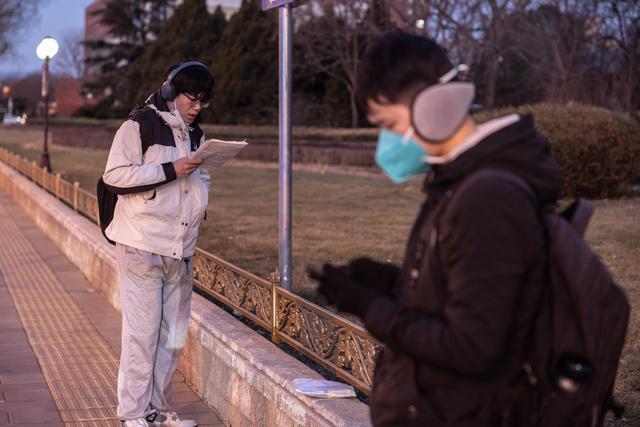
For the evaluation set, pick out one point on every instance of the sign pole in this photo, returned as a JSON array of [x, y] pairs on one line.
[[285, 85]]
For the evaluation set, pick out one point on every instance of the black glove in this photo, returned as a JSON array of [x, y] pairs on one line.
[[340, 289], [378, 276]]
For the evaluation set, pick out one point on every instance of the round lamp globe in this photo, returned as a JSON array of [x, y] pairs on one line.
[[47, 48]]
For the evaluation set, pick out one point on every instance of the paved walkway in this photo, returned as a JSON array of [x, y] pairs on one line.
[[59, 339]]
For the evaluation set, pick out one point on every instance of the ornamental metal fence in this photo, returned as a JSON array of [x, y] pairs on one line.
[[332, 341]]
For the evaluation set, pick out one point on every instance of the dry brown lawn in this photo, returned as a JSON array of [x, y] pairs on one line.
[[335, 216], [338, 217], [615, 235]]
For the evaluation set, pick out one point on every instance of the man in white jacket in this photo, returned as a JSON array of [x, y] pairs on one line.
[[162, 198]]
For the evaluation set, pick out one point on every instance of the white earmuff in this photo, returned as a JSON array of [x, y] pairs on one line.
[[439, 110]]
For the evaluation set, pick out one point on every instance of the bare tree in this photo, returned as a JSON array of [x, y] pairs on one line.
[[572, 33], [570, 47], [453, 24], [70, 60], [13, 14], [623, 29], [334, 34], [471, 30], [521, 50]]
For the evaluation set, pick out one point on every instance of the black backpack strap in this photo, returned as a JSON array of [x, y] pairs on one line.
[[497, 173], [431, 234], [456, 194], [106, 207], [525, 377], [578, 214], [452, 196]]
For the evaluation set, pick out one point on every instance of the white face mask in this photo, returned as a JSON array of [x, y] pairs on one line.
[[176, 113]]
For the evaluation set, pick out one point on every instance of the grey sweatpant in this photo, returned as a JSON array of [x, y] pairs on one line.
[[155, 294]]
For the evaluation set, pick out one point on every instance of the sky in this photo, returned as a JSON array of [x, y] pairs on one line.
[[55, 18]]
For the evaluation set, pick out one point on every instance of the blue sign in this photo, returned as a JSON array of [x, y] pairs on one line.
[[270, 4]]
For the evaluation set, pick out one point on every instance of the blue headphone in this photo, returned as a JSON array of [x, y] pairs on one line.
[[168, 91]]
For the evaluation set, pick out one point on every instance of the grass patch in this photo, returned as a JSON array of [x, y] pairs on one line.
[[338, 217], [238, 132], [335, 216], [84, 165], [615, 235]]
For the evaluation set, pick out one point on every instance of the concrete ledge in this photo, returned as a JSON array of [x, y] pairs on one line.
[[231, 367]]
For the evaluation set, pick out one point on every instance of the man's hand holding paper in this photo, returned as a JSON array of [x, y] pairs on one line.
[[186, 166], [214, 152]]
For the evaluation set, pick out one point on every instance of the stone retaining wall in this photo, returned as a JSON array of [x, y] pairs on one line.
[[242, 375]]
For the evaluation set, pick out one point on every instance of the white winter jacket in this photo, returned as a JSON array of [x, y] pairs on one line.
[[156, 211]]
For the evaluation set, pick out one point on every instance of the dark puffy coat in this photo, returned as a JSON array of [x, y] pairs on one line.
[[457, 324]]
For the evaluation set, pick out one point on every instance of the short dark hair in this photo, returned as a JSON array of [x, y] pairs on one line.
[[194, 80], [396, 66]]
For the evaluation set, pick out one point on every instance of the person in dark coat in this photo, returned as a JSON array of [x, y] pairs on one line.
[[455, 319]]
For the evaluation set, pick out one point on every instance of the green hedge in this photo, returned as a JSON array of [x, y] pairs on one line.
[[598, 150]]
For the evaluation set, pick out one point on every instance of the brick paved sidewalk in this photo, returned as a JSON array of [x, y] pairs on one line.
[[59, 339]]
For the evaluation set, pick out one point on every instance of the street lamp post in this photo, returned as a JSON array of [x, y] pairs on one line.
[[6, 91], [46, 50]]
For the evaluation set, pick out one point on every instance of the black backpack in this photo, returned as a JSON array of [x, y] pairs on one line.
[[106, 206], [580, 328]]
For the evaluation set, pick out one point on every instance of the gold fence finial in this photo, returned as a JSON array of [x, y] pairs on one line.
[[275, 277]]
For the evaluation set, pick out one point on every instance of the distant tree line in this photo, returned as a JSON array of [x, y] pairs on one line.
[[520, 52]]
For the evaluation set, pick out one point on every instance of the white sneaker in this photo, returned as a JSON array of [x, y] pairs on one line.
[[138, 422], [169, 419]]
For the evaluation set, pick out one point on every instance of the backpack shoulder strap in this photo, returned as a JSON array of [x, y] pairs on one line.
[[578, 214], [106, 206], [149, 123], [454, 196], [481, 174]]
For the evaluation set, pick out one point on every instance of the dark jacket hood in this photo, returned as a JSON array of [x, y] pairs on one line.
[[518, 149], [160, 104], [154, 99]]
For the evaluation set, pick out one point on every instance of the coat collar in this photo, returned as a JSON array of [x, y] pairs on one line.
[[169, 118], [442, 177], [156, 103]]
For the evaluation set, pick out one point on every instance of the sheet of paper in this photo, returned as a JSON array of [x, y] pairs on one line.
[[214, 152], [322, 388]]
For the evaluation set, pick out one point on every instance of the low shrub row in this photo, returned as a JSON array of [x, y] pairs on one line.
[[598, 150]]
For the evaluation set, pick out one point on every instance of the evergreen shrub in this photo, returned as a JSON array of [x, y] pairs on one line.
[[598, 150]]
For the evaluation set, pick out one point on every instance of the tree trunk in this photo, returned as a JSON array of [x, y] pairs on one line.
[[631, 83], [492, 79], [355, 116]]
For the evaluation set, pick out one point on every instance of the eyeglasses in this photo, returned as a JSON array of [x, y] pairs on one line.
[[196, 102]]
